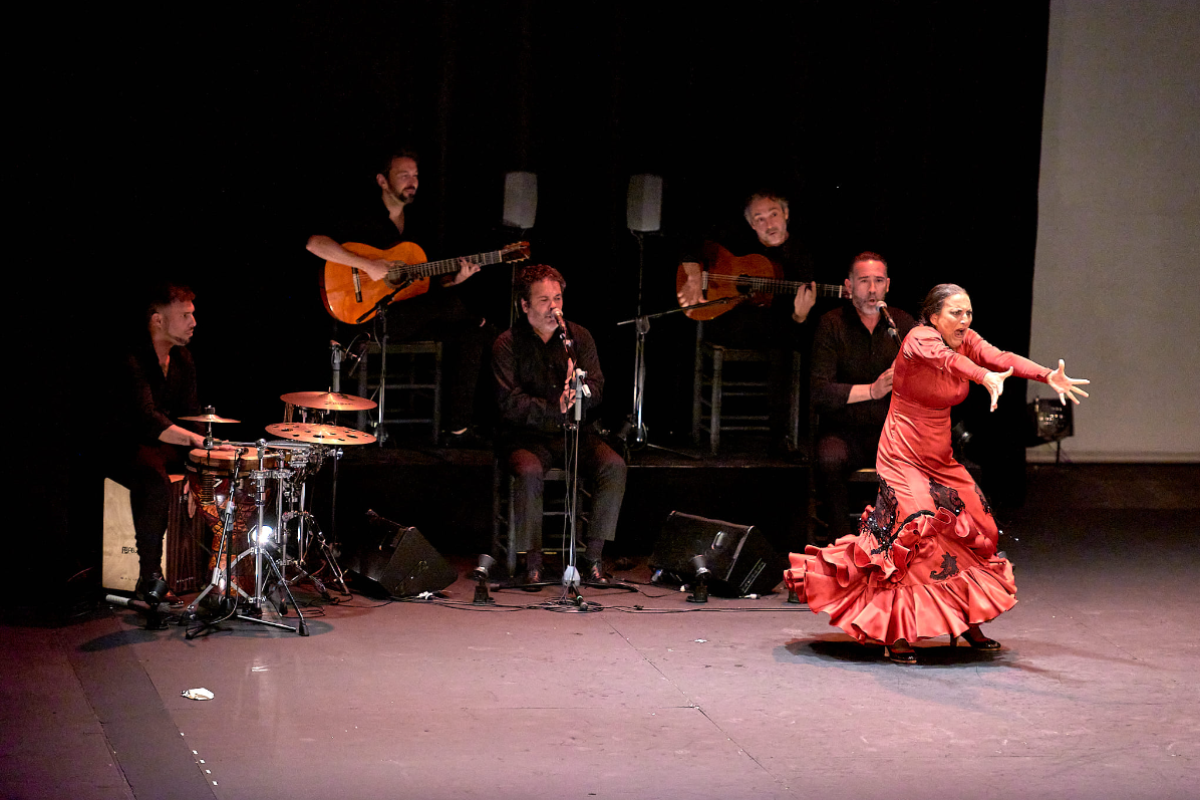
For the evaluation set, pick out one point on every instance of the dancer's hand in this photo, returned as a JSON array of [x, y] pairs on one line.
[[994, 383], [1066, 387]]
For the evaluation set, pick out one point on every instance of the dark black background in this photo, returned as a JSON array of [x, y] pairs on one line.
[[207, 145]]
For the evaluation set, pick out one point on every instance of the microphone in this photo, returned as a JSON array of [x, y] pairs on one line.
[[568, 343], [562, 324], [891, 323]]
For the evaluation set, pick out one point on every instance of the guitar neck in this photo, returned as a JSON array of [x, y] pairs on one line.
[[774, 285], [429, 268]]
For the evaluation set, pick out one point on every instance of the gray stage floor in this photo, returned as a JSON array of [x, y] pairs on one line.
[[1095, 694]]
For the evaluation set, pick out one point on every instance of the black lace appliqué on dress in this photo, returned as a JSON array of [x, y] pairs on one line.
[[881, 523], [987, 508], [949, 568], [945, 497]]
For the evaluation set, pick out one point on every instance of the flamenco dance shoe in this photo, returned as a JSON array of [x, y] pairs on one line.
[[976, 640], [899, 652]]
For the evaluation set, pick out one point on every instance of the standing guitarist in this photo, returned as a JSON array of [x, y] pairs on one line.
[[437, 314], [779, 327]]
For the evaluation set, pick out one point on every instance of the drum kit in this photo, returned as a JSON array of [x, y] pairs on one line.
[[257, 493]]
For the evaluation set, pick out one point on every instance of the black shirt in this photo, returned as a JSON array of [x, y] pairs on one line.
[[375, 229], [147, 402], [845, 353], [530, 376], [794, 259]]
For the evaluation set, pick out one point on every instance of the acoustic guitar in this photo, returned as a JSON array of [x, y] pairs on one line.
[[350, 294], [742, 279]]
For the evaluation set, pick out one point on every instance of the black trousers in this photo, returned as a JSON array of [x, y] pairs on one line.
[[839, 453], [147, 476], [440, 315], [528, 457]]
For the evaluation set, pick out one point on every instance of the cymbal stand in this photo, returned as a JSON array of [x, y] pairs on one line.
[[306, 530], [291, 488], [380, 312]]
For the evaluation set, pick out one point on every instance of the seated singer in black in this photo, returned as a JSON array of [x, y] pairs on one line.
[[154, 388], [852, 383], [532, 376]]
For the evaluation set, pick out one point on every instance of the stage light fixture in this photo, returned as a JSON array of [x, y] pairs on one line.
[[700, 592], [481, 572], [1050, 421]]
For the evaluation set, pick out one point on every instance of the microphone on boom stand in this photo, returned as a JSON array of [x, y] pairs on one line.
[[563, 334], [891, 323]]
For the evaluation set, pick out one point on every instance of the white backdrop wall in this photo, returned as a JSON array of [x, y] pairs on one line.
[[1117, 276]]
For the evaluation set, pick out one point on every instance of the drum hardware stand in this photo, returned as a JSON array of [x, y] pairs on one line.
[[306, 520], [285, 518], [336, 381], [336, 452], [261, 555], [380, 312], [258, 546], [224, 549], [328, 546]]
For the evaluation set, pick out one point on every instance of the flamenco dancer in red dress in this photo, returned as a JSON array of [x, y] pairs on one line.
[[924, 560]]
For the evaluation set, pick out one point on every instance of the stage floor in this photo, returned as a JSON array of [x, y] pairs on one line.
[[1093, 696]]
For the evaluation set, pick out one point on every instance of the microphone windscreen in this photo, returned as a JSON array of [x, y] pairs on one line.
[[520, 199]]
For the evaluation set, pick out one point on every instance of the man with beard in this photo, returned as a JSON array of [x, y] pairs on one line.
[[156, 386], [437, 314], [853, 351], [533, 376], [780, 328]]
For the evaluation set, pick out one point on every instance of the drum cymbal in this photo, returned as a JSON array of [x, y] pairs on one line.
[[207, 418], [318, 434], [328, 401]]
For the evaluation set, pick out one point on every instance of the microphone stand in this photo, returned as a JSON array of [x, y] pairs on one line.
[[635, 424], [571, 437]]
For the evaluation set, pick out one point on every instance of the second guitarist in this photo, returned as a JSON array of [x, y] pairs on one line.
[[438, 314], [776, 323]]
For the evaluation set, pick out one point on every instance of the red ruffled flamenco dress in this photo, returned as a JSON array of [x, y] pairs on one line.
[[924, 560]]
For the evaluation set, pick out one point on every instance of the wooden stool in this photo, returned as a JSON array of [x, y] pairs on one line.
[[749, 389], [504, 545]]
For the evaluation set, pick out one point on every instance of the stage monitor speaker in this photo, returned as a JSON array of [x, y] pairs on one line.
[[520, 199], [741, 559], [403, 564], [643, 207]]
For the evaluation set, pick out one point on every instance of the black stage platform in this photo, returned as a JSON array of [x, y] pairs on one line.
[[447, 493]]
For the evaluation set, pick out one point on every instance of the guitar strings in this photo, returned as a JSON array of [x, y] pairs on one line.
[[772, 285], [429, 268]]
